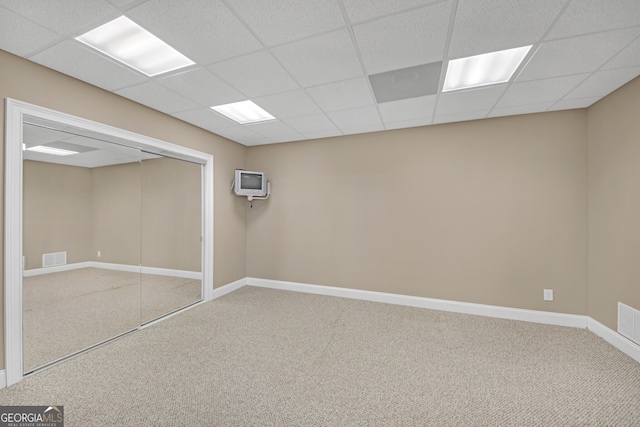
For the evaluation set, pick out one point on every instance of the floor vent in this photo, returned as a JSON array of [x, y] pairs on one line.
[[53, 259], [629, 322]]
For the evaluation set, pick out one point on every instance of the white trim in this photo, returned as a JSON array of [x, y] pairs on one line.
[[56, 269], [185, 274], [228, 288], [13, 262], [617, 340], [3, 379], [546, 317]]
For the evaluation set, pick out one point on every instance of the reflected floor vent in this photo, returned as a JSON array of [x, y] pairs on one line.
[[54, 258], [629, 322]]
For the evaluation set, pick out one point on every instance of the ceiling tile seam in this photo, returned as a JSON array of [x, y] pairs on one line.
[[445, 56], [618, 53], [562, 98], [608, 30], [356, 48], [397, 12]]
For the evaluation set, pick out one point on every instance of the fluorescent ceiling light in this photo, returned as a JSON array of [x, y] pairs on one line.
[[482, 70], [127, 42], [243, 112], [51, 150]]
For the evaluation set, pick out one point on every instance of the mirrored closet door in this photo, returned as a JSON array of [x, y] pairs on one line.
[[111, 240]]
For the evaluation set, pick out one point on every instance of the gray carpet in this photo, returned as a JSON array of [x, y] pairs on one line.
[[68, 311], [261, 357]]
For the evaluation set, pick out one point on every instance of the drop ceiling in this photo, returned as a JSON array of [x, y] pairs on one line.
[[309, 62]]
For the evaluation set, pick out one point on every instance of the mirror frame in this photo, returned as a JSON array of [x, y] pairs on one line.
[[15, 112]]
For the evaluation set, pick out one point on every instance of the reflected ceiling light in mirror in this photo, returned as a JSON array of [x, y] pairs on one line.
[[243, 112], [51, 150], [129, 43], [485, 69]]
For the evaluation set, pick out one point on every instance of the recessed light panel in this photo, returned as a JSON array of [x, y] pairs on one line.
[[485, 69], [243, 112], [51, 150], [129, 43]]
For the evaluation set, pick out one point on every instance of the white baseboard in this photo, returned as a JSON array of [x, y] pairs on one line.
[[228, 288], [615, 339], [195, 275], [546, 317]]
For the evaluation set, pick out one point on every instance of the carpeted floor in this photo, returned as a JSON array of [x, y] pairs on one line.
[[262, 357], [68, 311]]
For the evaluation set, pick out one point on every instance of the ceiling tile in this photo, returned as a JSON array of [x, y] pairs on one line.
[[205, 118], [288, 104], [321, 59], [513, 23], [576, 55], [256, 74], [342, 95], [202, 87], [21, 36], [206, 31], [571, 104], [363, 10], [407, 109], [460, 117], [322, 134], [273, 129], [158, 97], [75, 60], [287, 138], [238, 133], [357, 118], [260, 140], [603, 82], [628, 57], [520, 109], [63, 20], [408, 123], [400, 41], [280, 21], [314, 123], [589, 16], [469, 100], [539, 91]]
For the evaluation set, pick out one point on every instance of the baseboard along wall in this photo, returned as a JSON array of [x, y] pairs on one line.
[[195, 275]]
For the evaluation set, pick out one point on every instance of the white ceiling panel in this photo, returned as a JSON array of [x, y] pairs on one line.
[[420, 108], [312, 64], [628, 57], [577, 54], [483, 98], [400, 41], [206, 31], [21, 36], [513, 24], [364, 10], [288, 104], [256, 74], [156, 96], [351, 121], [520, 109], [56, 17], [321, 59], [205, 118], [570, 104], [280, 21], [539, 91], [311, 124], [202, 87], [590, 16], [342, 95], [76, 60], [602, 83]]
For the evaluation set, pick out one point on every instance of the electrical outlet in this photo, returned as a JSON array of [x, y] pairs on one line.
[[548, 294]]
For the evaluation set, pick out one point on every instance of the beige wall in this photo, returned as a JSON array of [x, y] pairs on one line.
[[614, 203], [490, 212], [25, 81], [57, 212]]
